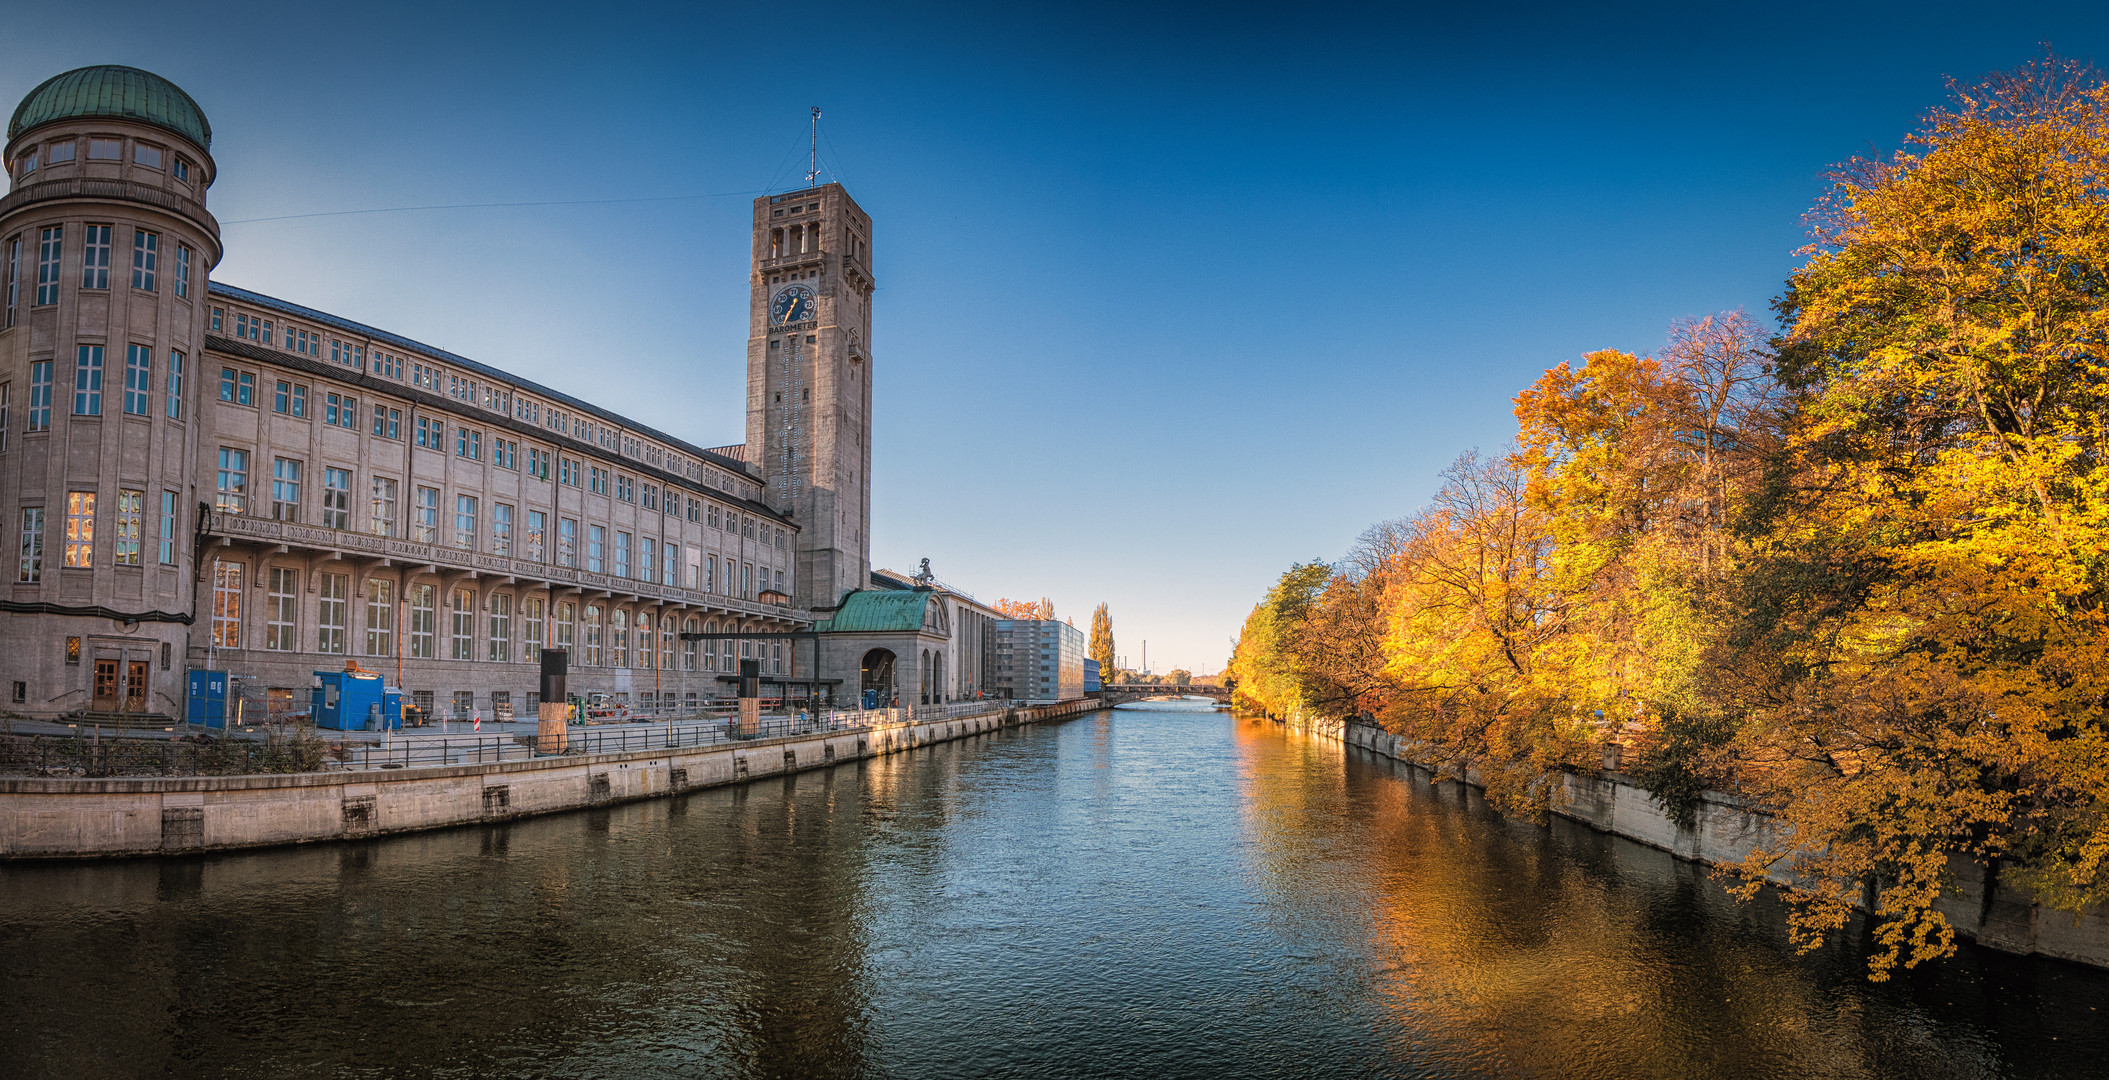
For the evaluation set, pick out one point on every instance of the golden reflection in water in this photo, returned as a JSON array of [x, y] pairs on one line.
[[1518, 960]]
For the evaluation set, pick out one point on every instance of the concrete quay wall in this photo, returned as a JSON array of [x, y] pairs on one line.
[[1725, 830], [74, 818]]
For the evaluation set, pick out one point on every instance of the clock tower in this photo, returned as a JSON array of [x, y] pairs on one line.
[[809, 383]]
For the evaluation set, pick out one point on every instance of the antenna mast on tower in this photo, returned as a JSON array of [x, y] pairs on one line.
[[813, 162]]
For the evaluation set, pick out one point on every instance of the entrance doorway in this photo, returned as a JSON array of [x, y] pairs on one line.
[[135, 686], [105, 686], [877, 680]]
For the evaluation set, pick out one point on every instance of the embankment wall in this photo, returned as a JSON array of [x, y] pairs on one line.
[[1725, 830], [73, 818]]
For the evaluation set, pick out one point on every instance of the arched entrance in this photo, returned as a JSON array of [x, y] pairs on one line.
[[878, 677], [924, 674], [937, 677]]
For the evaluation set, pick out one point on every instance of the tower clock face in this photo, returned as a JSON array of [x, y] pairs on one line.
[[793, 303]]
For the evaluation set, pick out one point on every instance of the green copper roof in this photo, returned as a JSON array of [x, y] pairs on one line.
[[110, 90], [867, 611]]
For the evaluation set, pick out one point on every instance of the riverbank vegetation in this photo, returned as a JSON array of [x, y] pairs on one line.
[[1852, 568]]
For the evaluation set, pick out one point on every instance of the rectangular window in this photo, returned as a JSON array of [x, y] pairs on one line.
[[336, 498], [14, 277], [651, 496], [105, 149], [644, 640], [530, 630], [501, 635], [183, 270], [688, 649], [592, 620], [149, 156], [227, 604], [80, 530], [597, 482], [465, 522], [333, 614], [40, 395], [594, 537], [285, 489], [146, 253], [666, 643], [129, 528], [468, 444], [138, 376], [175, 385], [647, 559], [330, 402], [501, 529], [618, 638], [31, 568], [622, 554], [380, 617], [504, 453], [423, 621], [625, 489], [387, 422], [564, 626], [427, 516], [381, 513], [216, 320], [710, 574], [464, 625], [672, 565], [348, 417], [168, 528], [567, 542], [431, 434], [180, 168], [88, 381], [232, 490], [95, 258], [538, 464], [48, 243], [281, 598], [238, 387], [747, 581], [537, 527]]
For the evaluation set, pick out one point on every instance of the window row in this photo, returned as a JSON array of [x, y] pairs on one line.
[[471, 523], [135, 399], [46, 257], [145, 155], [69, 532], [452, 626]]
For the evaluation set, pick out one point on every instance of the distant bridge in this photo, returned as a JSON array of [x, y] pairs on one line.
[[1149, 690]]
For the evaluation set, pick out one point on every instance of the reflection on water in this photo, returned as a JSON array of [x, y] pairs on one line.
[[1160, 891]]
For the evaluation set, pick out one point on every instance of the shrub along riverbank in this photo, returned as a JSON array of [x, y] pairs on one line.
[[1853, 569]]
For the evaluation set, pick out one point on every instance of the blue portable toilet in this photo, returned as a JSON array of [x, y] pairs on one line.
[[348, 700], [207, 701]]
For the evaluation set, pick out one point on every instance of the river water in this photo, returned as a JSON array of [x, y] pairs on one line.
[[1158, 892]]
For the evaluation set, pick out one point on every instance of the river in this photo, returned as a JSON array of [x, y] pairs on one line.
[[1160, 891]]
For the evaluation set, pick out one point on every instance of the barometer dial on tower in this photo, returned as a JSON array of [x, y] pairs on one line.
[[793, 304]]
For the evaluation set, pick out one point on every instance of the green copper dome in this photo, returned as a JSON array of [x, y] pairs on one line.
[[110, 90]]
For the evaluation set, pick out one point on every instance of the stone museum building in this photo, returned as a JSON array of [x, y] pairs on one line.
[[194, 475]]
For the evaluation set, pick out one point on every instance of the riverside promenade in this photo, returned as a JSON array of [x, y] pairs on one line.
[[436, 781]]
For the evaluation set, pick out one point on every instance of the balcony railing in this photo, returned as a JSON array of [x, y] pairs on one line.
[[266, 531]]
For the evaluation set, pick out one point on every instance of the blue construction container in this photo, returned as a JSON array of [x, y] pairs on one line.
[[207, 703], [356, 701]]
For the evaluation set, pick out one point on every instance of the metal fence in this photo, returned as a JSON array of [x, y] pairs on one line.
[[298, 748]]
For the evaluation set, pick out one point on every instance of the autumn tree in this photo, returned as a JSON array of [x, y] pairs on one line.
[[1101, 646], [1921, 645]]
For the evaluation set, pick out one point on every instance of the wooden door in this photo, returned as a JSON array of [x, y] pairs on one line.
[[105, 686], [135, 686]]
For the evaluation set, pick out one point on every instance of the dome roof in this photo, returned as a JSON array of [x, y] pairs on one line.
[[111, 90]]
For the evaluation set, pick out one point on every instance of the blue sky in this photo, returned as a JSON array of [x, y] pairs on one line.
[[1282, 263]]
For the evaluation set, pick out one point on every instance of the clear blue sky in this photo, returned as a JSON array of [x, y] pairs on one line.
[[1283, 262]]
